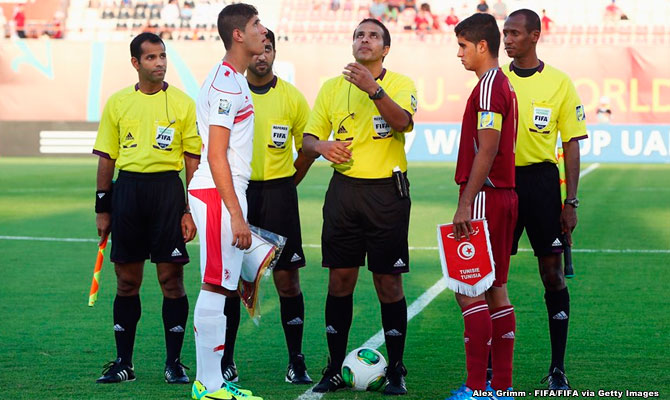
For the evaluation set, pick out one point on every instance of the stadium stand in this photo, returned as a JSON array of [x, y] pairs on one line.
[[573, 21]]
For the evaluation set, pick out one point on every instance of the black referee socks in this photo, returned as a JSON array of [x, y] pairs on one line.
[[558, 309], [232, 312], [175, 314], [339, 313], [293, 320], [394, 321], [127, 311]]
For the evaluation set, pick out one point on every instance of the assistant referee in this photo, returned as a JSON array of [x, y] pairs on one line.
[[148, 132], [369, 109], [548, 104]]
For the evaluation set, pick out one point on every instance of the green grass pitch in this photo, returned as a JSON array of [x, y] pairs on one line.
[[52, 346]]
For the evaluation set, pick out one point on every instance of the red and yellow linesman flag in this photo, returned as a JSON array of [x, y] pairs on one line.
[[93, 294]]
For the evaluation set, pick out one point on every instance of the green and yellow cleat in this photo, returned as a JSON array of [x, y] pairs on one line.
[[230, 391], [198, 390]]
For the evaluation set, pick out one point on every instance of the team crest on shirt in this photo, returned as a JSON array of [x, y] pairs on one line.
[[224, 106], [413, 102], [581, 115], [541, 117], [279, 135], [382, 128]]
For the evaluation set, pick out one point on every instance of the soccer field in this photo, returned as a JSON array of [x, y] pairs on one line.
[[52, 346]]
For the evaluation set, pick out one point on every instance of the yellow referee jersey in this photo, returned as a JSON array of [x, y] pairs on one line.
[[281, 113], [349, 113], [148, 132], [548, 103]]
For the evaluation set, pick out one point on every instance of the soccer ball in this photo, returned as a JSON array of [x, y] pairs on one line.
[[364, 369]]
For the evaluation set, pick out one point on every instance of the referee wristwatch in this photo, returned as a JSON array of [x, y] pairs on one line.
[[572, 202], [378, 94]]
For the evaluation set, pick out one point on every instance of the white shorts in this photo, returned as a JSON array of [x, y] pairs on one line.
[[220, 262]]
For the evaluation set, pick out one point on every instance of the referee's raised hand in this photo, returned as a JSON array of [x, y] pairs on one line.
[[361, 77]]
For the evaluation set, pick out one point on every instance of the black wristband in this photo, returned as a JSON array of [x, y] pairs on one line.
[[103, 201]]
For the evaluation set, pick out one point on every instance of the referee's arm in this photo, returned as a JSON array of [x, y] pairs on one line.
[[103, 220]]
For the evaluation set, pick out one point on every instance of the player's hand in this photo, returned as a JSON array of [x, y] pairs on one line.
[[188, 228], [361, 77], [104, 223], [568, 222], [462, 223], [241, 232], [335, 152]]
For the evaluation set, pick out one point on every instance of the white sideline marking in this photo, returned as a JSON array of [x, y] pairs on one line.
[[318, 246]]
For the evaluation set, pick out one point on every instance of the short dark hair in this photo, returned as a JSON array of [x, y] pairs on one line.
[[234, 16], [478, 27], [387, 34], [136, 43], [271, 37], [532, 19]]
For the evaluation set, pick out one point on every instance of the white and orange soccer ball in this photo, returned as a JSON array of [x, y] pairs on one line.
[[364, 369]]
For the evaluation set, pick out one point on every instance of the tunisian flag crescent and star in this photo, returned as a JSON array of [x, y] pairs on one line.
[[467, 265]]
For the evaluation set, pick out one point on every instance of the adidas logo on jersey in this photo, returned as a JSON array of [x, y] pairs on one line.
[[295, 321], [508, 335], [295, 257], [466, 340], [489, 342], [101, 195], [557, 243], [393, 332], [560, 316], [118, 328], [176, 253], [399, 263], [331, 330], [342, 130], [129, 136], [177, 329]]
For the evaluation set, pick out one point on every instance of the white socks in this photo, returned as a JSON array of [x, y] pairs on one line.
[[209, 324]]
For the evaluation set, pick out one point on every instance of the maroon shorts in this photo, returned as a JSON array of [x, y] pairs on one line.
[[500, 208]]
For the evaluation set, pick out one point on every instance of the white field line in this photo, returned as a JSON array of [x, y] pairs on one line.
[[318, 246], [417, 306]]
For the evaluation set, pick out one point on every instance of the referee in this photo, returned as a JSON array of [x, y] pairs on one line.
[[148, 132], [366, 211], [548, 103], [280, 113]]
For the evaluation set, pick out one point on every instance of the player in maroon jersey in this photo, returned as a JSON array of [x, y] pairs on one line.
[[485, 173]]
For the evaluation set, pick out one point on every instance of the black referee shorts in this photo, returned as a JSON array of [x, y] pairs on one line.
[[365, 217], [146, 218], [539, 191], [273, 205]]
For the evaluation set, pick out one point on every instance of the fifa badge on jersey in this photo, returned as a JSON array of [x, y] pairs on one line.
[[486, 120], [164, 136], [541, 117], [413, 102], [581, 115], [279, 135], [382, 128], [224, 106]]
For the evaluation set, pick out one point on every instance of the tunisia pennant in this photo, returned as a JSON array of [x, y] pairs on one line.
[[467, 265]]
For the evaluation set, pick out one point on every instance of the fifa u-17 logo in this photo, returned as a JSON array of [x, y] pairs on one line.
[[486, 120]]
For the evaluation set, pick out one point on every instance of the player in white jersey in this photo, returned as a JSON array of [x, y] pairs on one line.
[[225, 115]]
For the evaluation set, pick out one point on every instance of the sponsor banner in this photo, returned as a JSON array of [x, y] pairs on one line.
[[606, 143], [46, 80]]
